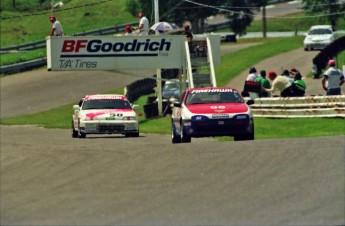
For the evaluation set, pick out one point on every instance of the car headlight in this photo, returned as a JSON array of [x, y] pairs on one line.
[[85, 118]]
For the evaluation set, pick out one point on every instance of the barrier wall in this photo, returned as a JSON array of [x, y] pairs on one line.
[[300, 107]]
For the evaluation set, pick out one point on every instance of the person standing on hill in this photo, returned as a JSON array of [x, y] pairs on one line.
[[143, 24], [334, 77], [56, 29], [189, 35], [129, 31]]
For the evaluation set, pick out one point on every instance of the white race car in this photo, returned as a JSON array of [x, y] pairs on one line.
[[212, 111], [104, 114]]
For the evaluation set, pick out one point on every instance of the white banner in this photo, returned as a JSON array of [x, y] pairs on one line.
[[85, 53]]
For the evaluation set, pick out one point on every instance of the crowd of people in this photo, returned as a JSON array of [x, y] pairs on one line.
[[290, 83]]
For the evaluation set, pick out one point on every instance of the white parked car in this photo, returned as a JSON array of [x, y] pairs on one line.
[[104, 114], [318, 37]]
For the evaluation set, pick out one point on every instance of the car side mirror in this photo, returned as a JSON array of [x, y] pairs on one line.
[[177, 104], [76, 107], [135, 107], [250, 102]]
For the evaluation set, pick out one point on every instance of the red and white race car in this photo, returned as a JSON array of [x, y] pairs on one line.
[[104, 114], [212, 111]]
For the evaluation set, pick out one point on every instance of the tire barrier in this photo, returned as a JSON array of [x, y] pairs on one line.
[[330, 51], [151, 108], [300, 107], [140, 88]]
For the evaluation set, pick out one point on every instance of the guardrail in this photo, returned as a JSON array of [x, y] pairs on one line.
[[300, 107]]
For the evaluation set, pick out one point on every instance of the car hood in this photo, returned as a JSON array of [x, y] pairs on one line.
[[102, 114], [221, 108]]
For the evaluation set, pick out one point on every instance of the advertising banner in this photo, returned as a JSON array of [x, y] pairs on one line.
[[85, 53]]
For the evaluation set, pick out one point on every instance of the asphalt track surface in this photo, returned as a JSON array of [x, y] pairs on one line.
[[48, 178]]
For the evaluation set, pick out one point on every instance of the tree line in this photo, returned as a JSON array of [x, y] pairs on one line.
[[240, 13]]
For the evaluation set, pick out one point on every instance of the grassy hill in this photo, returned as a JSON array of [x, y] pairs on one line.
[[29, 20]]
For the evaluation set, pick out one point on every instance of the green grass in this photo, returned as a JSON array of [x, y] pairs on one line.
[[233, 64], [290, 22], [75, 16]]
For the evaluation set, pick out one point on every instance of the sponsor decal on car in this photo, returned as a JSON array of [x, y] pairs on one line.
[[105, 97], [222, 90], [113, 113]]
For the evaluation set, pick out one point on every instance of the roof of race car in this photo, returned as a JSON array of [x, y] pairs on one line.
[[105, 97]]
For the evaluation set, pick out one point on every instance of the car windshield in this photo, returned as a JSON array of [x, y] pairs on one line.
[[171, 86], [106, 104], [214, 97], [320, 31]]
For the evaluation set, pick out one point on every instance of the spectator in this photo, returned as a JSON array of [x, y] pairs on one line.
[[280, 83], [143, 24], [189, 36], [129, 31], [299, 86], [264, 83], [252, 74], [56, 29], [293, 71], [286, 73], [334, 77]]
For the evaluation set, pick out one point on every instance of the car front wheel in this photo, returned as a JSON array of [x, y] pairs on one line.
[[184, 137], [81, 134], [175, 138], [74, 131]]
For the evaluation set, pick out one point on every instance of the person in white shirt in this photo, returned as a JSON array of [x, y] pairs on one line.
[[56, 29], [334, 77], [143, 24], [253, 74]]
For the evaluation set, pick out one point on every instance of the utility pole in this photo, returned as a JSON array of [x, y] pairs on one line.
[[264, 24], [159, 75]]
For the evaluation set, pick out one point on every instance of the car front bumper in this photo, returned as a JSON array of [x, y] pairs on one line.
[[105, 127], [218, 127]]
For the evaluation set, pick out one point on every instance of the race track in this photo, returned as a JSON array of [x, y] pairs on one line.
[[48, 178]]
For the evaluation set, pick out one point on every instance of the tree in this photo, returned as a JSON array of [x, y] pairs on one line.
[[262, 4], [178, 11], [332, 9]]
